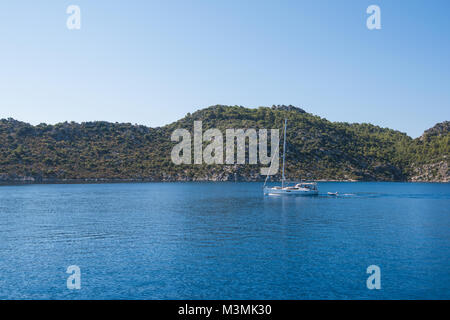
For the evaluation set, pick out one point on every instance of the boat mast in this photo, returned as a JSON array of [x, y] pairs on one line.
[[284, 152]]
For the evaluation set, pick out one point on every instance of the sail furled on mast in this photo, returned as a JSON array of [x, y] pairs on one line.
[[284, 153]]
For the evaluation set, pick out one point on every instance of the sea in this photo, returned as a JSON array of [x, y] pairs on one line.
[[192, 240]]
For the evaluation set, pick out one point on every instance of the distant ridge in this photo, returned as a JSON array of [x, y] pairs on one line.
[[318, 149]]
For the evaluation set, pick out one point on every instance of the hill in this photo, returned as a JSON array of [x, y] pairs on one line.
[[317, 149], [428, 155]]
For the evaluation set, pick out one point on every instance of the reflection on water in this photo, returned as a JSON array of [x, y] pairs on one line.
[[224, 241]]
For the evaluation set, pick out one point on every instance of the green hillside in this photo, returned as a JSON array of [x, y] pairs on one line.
[[317, 149]]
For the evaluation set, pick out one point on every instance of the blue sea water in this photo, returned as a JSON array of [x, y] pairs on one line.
[[224, 241]]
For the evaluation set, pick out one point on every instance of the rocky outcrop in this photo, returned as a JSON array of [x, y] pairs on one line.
[[283, 107], [439, 129], [433, 172]]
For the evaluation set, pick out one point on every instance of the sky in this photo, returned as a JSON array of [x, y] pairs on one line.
[[151, 62]]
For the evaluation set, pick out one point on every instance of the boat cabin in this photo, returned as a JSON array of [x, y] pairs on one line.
[[307, 185]]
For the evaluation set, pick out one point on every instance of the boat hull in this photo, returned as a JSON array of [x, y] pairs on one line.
[[284, 191]]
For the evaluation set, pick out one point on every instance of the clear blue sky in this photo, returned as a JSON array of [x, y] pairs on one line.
[[151, 62]]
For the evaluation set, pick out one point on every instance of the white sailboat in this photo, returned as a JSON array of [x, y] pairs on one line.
[[301, 188]]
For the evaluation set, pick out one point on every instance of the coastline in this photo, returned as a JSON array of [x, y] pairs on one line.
[[21, 182]]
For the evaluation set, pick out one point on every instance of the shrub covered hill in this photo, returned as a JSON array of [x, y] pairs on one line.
[[317, 149]]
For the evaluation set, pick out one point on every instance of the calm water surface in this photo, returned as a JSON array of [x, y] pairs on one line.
[[224, 241]]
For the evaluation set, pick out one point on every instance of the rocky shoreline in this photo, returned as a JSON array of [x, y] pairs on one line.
[[32, 180]]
